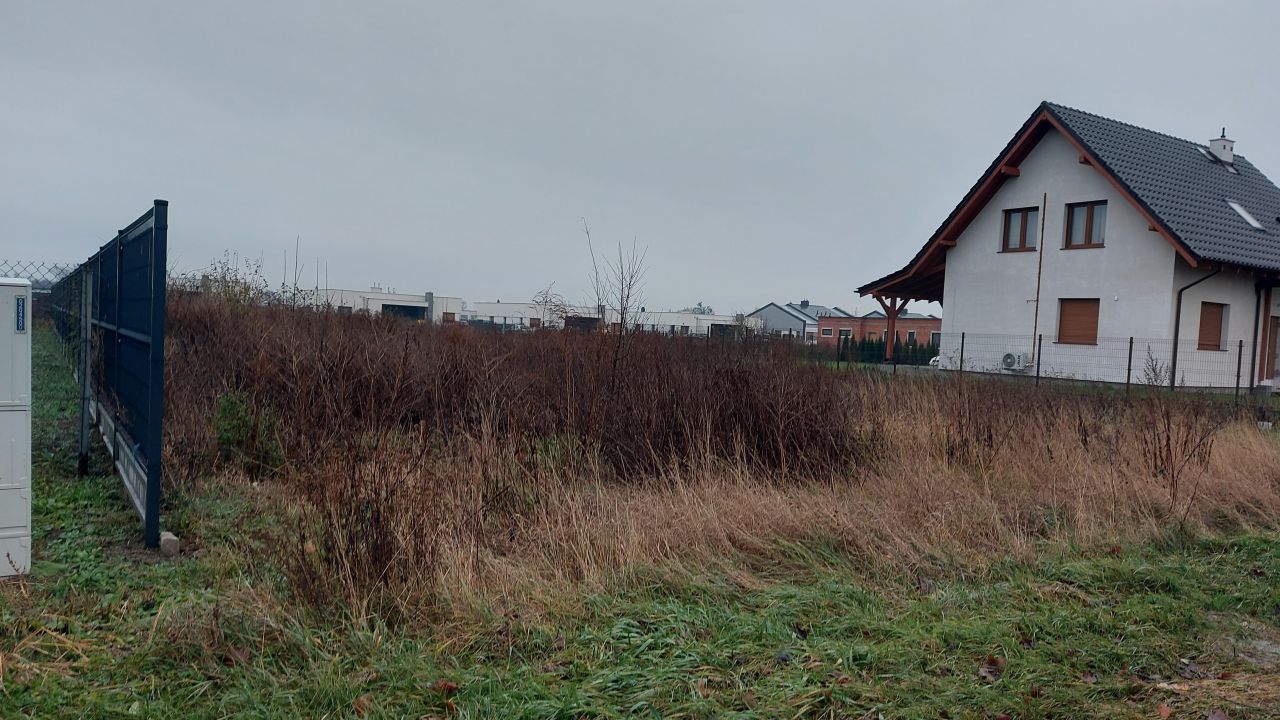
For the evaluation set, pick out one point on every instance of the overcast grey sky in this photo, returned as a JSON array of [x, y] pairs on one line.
[[760, 151]]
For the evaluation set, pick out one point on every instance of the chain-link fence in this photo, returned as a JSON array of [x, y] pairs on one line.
[[43, 275]]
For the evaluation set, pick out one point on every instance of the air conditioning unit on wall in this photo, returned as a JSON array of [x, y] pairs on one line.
[[15, 426], [1016, 361]]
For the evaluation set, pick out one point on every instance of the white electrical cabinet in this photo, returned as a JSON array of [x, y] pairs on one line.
[[15, 426]]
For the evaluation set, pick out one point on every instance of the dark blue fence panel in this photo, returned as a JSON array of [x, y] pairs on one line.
[[111, 313]]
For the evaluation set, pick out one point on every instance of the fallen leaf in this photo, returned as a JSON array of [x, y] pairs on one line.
[[362, 705], [1191, 671], [236, 656], [444, 687], [991, 669], [1164, 710], [1217, 714]]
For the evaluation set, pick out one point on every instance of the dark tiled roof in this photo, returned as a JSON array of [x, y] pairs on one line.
[[1186, 190], [816, 311], [903, 316]]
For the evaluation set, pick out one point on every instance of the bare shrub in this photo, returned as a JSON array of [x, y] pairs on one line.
[[425, 464]]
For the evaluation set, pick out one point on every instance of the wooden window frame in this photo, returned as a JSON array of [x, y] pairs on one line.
[[827, 332], [911, 337], [1223, 316], [1005, 247], [1088, 244], [1096, 320], [935, 334]]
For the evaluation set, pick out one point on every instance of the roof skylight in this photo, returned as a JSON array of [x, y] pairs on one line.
[[1245, 214]]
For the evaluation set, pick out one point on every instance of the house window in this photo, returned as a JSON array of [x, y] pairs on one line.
[[344, 309], [808, 337], [826, 332], [911, 337], [871, 336], [1213, 326], [846, 333], [1086, 225], [935, 338], [1078, 321], [1020, 228]]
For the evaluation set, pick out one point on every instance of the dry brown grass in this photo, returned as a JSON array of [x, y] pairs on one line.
[[427, 467]]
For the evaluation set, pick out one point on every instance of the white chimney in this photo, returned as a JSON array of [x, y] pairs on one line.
[[1223, 148]]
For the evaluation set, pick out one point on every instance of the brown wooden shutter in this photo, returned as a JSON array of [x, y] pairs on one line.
[[1211, 315], [1078, 321]]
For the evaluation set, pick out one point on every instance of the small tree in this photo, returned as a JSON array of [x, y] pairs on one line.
[[552, 307]]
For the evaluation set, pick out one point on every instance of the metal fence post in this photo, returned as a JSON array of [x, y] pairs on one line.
[[1128, 370], [961, 352], [86, 344], [1239, 366], [116, 342], [155, 387], [1039, 347]]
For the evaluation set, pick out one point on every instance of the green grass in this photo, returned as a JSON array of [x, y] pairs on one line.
[[102, 628]]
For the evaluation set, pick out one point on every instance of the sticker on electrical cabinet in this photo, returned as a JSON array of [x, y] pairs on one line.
[[21, 306]]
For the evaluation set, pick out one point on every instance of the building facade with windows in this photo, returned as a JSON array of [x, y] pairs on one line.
[[911, 328], [1086, 232], [795, 320], [426, 307]]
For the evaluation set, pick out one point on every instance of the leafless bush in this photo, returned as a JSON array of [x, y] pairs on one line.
[[425, 461]]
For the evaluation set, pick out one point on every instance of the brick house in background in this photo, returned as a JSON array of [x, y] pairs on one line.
[[911, 328], [797, 320]]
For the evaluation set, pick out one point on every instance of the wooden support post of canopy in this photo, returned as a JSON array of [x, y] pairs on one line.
[[892, 309]]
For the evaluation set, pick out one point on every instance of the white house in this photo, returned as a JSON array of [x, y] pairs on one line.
[[376, 300], [671, 322], [1088, 236], [514, 314]]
